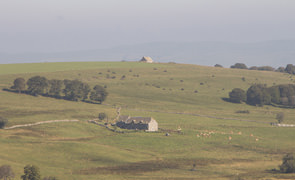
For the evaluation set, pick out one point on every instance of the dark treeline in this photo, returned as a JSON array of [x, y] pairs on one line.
[[260, 94], [290, 68], [73, 90]]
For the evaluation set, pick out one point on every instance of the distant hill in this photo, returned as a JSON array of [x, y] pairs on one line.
[[273, 53]]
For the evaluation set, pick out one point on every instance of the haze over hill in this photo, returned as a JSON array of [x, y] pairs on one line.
[[273, 53]]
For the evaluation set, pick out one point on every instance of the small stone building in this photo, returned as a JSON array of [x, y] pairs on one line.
[[141, 123], [146, 59]]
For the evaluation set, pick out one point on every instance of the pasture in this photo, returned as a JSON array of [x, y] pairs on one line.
[[176, 95]]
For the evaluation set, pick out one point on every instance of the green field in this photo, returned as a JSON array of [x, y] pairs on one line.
[[176, 95]]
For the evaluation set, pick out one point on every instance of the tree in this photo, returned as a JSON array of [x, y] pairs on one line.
[[280, 117], [239, 66], [280, 69], [237, 95], [258, 95], [98, 94], [218, 65], [3, 122], [288, 165], [55, 87], [19, 84], [76, 90], [31, 173], [37, 85], [102, 116], [6, 172], [274, 92], [266, 68], [290, 68]]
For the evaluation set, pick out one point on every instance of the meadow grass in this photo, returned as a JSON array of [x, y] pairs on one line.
[[82, 150]]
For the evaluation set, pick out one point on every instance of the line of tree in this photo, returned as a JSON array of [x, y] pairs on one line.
[[73, 90], [290, 68], [31, 172], [260, 94]]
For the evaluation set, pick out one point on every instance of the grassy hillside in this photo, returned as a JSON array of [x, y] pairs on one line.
[[176, 95]]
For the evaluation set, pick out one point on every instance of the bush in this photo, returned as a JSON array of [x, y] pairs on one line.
[[3, 122], [280, 69], [102, 116], [237, 95], [6, 172], [253, 68], [266, 68], [290, 68], [288, 165], [31, 172], [243, 111], [280, 117], [239, 66], [50, 178], [218, 65]]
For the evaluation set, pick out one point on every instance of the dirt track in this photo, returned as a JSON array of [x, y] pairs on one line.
[[42, 122]]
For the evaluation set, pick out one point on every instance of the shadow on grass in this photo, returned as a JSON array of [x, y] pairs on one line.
[[153, 166], [226, 99], [132, 168]]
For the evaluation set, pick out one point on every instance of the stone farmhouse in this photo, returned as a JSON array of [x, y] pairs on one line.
[[141, 123], [146, 59]]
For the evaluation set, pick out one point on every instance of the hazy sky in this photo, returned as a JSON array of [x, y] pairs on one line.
[[64, 25]]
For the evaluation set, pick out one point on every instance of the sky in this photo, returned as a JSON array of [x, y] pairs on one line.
[[70, 25]]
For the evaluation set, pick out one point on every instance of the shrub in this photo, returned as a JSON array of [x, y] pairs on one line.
[[6, 172], [218, 65], [290, 68], [266, 68], [31, 172], [288, 165], [243, 111], [123, 77], [102, 116], [280, 117], [50, 178], [280, 69], [253, 68], [3, 122]]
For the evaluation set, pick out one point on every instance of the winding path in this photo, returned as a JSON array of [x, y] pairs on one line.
[[42, 122]]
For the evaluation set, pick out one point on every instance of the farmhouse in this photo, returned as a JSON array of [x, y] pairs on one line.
[[146, 59], [142, 123]]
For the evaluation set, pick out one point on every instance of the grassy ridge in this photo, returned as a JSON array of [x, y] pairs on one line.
[[82, 150]]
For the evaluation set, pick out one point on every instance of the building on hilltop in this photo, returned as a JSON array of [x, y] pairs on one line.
[[146, 59], [141, 123]]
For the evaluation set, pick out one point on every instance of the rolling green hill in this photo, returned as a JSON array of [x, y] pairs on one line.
[[176, 95]]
